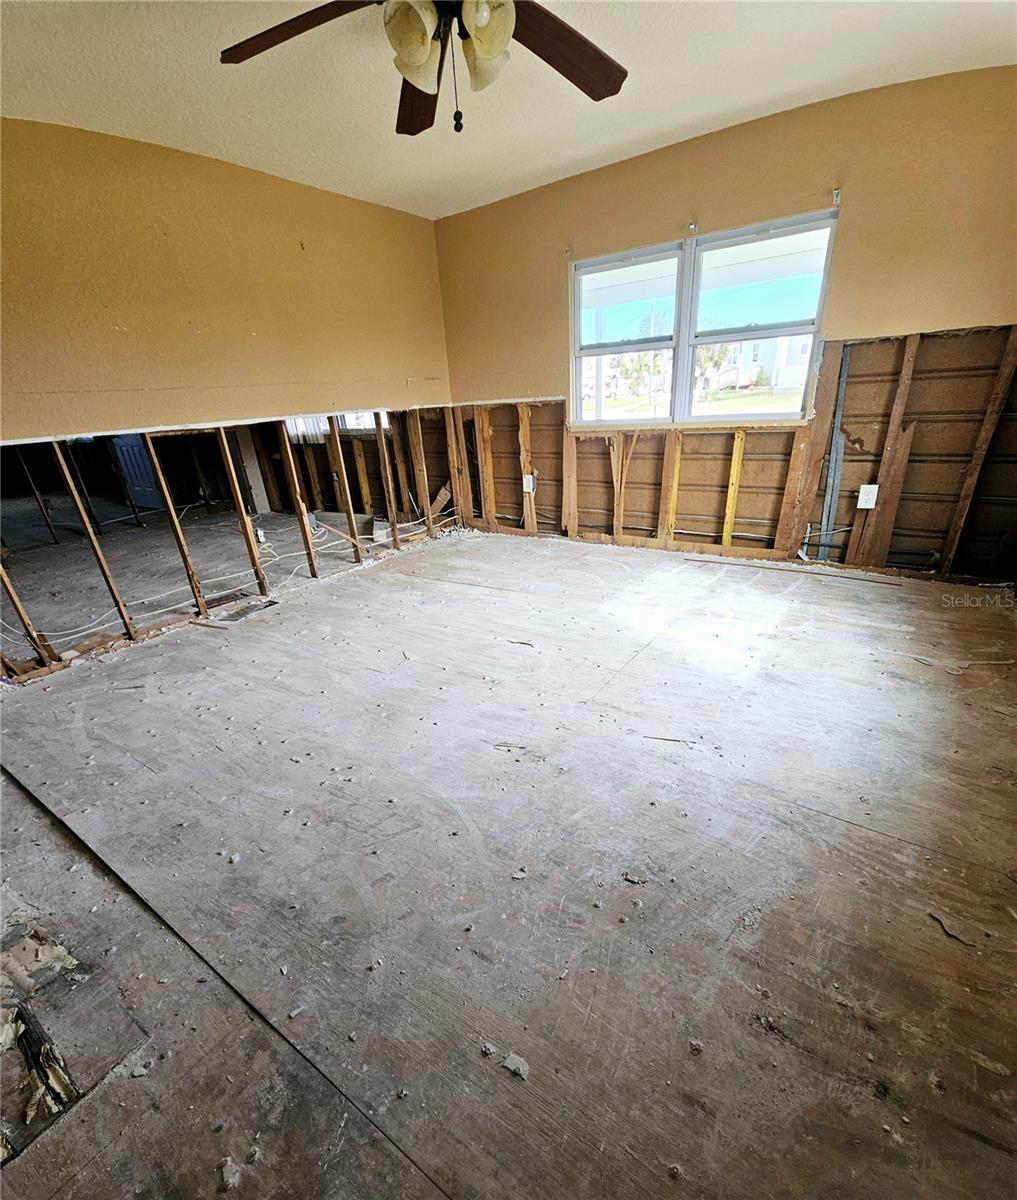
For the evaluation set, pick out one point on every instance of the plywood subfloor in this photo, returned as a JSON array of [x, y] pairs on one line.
[[436, 775]]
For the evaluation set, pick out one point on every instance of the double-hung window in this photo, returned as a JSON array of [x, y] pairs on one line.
[[626, 335], [713, 329]]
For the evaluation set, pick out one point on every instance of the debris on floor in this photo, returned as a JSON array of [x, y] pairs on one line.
[[30, 958], [631, 877], [520, 873], [489, 1049], [230, 1174], [949, 932], [515, 1064]]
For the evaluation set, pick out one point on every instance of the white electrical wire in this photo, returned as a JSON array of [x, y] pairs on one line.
[[320, 542]]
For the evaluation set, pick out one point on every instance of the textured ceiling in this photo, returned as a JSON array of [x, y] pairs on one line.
[[321, 109]]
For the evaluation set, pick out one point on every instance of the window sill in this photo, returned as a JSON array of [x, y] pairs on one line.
[[749, 424]]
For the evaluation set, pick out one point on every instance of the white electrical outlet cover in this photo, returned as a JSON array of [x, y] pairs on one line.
[[867, 495]]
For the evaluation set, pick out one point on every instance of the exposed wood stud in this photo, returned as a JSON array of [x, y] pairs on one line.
[[872, 544], [990, 420], [38, 496], [455, 469], [360, 462], [465, 481], [835, 462], [290, 468], [526, 466], [401, 471], [206, 493], [621, 449], [441, 498], [485, 460], [268, 478], [86, 499], [93, 541], [238, 503], [874, 537], [733, 484], [317, 502], [416, 437], [386, 479], [39, 642], [569, 485], [10, 668], [341, 484], [668, 509], [174, 523], [794, 481], [807, 456]]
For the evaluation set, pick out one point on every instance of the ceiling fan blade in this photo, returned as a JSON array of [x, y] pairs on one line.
[[278, 34], [567, 51], [418, 109]]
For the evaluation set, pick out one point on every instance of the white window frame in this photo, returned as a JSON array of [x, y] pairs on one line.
[[593, 266], [684, 339]]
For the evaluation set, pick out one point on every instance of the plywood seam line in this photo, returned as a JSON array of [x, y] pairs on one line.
[[993, 411], [174, 524], [76, 840], [93, 542]]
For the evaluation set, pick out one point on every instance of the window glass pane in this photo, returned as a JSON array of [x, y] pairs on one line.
[[628, 304], [361, 420], [620, 387], [759, 377], [762, 283], [307, 429]]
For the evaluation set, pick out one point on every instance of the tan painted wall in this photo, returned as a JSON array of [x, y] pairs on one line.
[[927, 236], [145, 287]]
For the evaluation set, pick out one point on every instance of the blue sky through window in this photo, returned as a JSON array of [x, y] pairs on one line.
[[793, 298], [628, 322]]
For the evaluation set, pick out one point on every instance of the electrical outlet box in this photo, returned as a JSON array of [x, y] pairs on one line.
[[867, 495], [529, 484]]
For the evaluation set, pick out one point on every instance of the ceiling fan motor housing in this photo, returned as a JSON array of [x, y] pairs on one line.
[[420, 32]]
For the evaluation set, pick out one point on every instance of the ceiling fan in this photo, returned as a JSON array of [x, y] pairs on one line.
[[420, 32]]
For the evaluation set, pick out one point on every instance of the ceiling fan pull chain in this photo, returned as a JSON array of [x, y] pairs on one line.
[[457, 116]]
